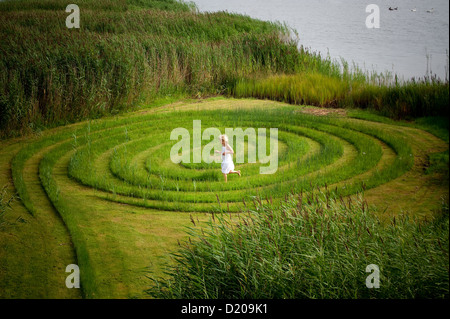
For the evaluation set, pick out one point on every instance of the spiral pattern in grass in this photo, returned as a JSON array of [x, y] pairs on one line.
[[124, 201]]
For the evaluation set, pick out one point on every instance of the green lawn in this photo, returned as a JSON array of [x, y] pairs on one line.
[[105, 195]]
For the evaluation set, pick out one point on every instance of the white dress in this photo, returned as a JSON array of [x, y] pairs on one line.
[[227, 162]]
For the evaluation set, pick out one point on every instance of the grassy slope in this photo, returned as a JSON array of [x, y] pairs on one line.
[[165, 47], [118, 244], [125, 52]]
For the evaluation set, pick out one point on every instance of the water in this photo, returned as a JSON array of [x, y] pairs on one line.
[[409, 44]]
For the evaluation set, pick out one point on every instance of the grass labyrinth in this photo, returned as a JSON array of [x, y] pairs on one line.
[[125, 204]]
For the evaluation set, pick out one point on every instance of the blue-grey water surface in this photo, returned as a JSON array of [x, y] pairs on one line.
[[401, 45]]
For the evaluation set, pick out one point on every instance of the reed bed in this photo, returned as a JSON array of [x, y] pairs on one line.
[[130, 52], [125, 53], [406, 100], [311, 246]]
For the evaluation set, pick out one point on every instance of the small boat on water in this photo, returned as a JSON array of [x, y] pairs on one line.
[[393, 9], [414, 10], [431, 10]]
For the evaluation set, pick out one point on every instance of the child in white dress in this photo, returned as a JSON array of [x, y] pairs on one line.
[[227, 159]]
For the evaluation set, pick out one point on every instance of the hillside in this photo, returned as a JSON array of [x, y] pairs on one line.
[[125, 52]]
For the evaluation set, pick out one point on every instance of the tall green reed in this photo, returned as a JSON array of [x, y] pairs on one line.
[[310, 246], [122, 55]]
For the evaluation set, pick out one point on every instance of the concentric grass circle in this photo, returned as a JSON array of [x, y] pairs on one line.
[[112, 180], [128, 160]]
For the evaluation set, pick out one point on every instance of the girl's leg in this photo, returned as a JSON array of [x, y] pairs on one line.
[[236, 172], [226, 178]]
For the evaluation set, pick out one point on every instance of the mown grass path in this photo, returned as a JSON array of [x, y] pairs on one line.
[[34, 251], [414, 192], [104, 194]]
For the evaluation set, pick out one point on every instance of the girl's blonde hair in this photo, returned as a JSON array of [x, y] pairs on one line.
[[224, 137]]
